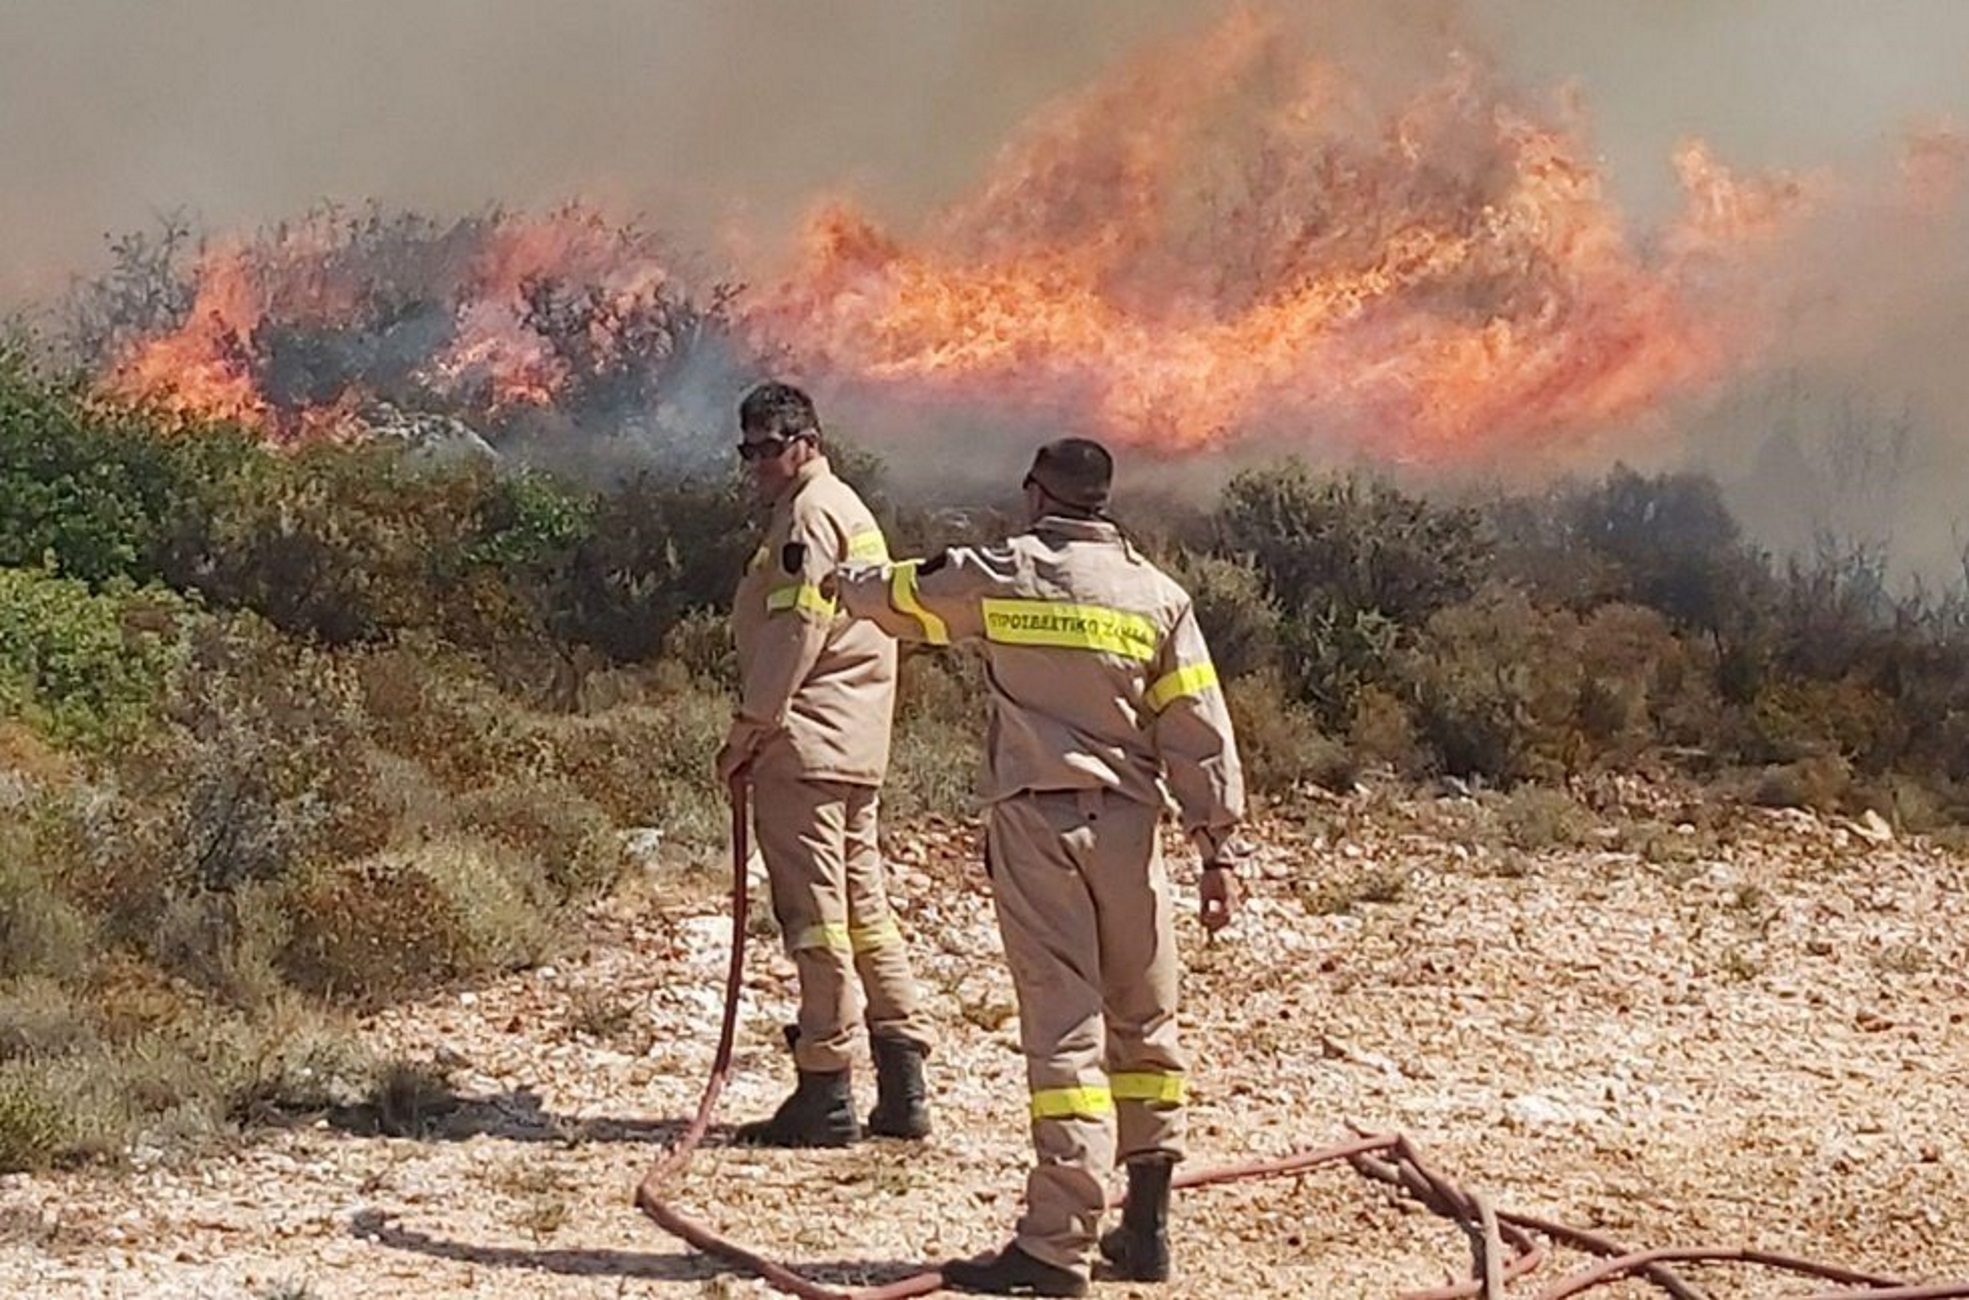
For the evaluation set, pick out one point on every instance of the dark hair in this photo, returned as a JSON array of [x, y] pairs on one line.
[[776, 410]]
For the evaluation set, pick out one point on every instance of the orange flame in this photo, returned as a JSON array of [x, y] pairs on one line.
[[1232, 238], [1236, 239], [575, 245], [316, 273], [203, 367]]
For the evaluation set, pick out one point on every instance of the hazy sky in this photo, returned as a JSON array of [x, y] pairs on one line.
[[696, 110]]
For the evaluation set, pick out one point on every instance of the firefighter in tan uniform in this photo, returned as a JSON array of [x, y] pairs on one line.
[[1103, 698], [811, 734]]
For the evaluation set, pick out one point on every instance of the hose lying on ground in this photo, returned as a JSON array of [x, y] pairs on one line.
[[1502, 1242]]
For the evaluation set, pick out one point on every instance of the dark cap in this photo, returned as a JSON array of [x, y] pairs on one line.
[[1076, 472]]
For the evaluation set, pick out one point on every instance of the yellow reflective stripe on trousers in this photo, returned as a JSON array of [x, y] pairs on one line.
[[1071, 627], [804, 596], [831, 935], [902, 594], [867, 545], [1192, 680], [1072, 1103], [1151, 1086], [876, 934]]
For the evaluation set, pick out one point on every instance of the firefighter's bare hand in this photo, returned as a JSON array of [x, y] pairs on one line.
[[1218, 892], [733, 763]]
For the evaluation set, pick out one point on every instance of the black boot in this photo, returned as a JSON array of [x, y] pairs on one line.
[[1011, 1272], [1138, 1250], [902, 1109], [820, 1113]]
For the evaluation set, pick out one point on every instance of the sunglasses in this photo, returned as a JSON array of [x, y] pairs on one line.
[[768, 448]]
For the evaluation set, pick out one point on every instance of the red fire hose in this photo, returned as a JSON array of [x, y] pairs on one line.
[[1502, 1243]]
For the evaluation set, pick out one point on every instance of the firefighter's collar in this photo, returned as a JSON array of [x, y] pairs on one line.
[[1078, 530], [807, 473]]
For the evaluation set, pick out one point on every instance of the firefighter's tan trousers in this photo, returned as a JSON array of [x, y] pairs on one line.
[[1084, 911], [818, 839]]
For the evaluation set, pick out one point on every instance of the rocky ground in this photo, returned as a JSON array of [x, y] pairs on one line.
[[1674, 1022]]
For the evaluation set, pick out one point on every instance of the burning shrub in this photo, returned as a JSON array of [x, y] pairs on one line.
[[532, 329]]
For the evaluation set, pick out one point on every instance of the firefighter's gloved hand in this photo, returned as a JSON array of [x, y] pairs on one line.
[[1217, 890]]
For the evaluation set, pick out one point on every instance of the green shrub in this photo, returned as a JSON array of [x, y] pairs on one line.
[[425, 702], [1381, 729], [84, 668], [1537, 818], [937, 752], [262, 768], [39, 1018], [1355, 566], [1495, 682], [33, 1132], [1239, 619], [1671, 543], [1796, 719], [570, 840], [507, 905], [657, 551], [370, 932], [1280, 741], [344, 545], [1352, 544], [41, 932], [96, 492], [700, 642]]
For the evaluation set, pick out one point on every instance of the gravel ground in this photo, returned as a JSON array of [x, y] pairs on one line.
[[1687, 1025]]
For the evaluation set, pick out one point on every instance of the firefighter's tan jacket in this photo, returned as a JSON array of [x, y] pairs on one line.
[[817, 689], [1100, 676]]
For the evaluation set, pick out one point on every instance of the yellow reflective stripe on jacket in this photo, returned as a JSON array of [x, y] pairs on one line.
[[804, 595], [877, 934], [868, 545], [1192, 680], [1069, 626], [1072, 1103], [902, 594], [831, 935], [1152, 1086]]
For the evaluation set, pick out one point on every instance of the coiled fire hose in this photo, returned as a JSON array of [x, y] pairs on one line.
[[1503, 1246]]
